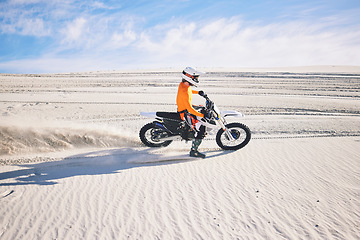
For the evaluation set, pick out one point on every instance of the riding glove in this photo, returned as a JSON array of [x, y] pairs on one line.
[[202, 93]]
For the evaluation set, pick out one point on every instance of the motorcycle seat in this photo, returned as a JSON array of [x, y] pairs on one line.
[[169, 115]]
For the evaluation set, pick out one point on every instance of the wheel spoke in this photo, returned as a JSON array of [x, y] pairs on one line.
[[235, 137], [238, 134], [152, 136]]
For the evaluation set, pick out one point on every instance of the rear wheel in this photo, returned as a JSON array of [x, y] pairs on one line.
[[151, 135], [240, 133]]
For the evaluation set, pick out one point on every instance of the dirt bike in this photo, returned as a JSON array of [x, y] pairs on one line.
[[168, 126]]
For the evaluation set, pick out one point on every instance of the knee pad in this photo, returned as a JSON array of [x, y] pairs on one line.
[[201, 133]]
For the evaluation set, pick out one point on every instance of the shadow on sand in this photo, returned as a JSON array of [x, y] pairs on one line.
[[96, 163]]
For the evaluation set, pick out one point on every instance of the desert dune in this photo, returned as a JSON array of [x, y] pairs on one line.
[[73, 167]]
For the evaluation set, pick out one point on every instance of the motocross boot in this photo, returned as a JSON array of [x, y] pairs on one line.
[[194, 149]]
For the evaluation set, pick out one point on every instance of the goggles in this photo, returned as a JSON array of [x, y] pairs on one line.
[[195, 78]]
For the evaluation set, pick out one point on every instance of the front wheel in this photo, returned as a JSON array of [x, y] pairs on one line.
[[151, 136], [240, 133]]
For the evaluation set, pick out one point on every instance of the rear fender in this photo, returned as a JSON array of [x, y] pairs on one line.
[[148, 114]]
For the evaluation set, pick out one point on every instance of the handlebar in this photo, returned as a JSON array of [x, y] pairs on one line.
[[209, 103]]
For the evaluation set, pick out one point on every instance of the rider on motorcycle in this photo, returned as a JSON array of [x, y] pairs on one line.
[[190, 77]]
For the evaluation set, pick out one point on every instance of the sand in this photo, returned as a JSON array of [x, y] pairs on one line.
[[73, 167]]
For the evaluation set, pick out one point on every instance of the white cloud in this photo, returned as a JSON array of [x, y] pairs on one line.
[[218, 43], [37, 17], [33, 27], [74, 30], [91, 33], [99, 41], [22, 22], [119, 40], [232, 42], [101, 5]]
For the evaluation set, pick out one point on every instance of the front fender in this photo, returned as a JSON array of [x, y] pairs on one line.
[[231, 113]]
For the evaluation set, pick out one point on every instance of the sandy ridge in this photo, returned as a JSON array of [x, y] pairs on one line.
[[297, 179]]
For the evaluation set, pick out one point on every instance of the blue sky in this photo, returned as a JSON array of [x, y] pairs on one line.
[[42, 36]]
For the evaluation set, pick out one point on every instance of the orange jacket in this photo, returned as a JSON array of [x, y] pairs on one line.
[[183, 100]]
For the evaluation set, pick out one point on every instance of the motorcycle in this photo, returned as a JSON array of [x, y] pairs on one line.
[[168, 126]]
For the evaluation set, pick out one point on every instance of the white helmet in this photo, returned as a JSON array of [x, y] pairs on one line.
[[191, 75]]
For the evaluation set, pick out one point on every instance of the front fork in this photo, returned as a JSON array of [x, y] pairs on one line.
[[222, 123]]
